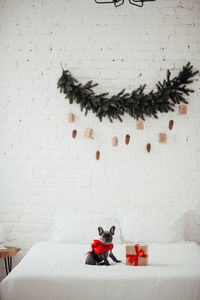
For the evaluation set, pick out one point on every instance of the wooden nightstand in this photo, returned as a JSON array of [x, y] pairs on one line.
[[7, 254]]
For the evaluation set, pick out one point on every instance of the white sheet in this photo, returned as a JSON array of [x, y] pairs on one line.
[[52, 271]]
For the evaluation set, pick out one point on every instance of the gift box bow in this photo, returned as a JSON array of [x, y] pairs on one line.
[[133, 258]]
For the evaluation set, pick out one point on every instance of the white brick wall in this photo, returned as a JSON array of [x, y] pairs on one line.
[[41, 168]]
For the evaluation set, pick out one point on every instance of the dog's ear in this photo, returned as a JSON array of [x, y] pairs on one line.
[[112, 230], [100, 230]]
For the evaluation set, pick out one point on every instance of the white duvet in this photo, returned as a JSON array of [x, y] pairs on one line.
[[53, 271]]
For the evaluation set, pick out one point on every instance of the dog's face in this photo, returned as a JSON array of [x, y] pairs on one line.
[[106, 236]]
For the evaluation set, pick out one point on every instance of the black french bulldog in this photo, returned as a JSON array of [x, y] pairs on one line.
[[102, 248]]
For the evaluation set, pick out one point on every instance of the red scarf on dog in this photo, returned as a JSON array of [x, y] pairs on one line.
[[100, 247]]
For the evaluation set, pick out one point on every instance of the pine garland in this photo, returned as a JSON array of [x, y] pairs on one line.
[[137, 104]]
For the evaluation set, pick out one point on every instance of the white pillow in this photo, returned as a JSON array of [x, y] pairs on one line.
[[153, 225], [192, 231], [79, 228]]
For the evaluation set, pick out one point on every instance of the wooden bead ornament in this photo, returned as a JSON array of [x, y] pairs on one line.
[[182, 110], [171, 124], [148, 147], [74, 133], [162, 137], [127, 139], [70, 118], [115, 141], [97, 155], [88, 133], [140, 124]]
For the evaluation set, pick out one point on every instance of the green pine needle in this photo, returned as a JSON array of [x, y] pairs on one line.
[[136, 104]]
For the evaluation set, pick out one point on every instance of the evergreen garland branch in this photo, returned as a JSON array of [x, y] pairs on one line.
[[137, 104]]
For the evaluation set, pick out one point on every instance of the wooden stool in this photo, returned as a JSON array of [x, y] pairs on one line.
[[7, 254]]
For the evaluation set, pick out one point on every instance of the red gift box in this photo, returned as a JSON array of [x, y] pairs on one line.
[[137, 255]]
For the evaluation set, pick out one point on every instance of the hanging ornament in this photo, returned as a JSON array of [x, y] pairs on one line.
[[182, 110], [140, 124], [115, 141], [70, 118], [97, 155], [88, 133], [127, 139], [74, 133], [171, 124], [162, 137], [148, 147]]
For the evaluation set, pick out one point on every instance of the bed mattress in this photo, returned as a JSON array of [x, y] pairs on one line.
[[56, 271]]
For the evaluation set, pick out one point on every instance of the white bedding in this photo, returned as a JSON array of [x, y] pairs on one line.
[[53, 271]]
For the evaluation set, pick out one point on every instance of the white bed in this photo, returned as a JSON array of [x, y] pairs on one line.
[[56, 271]]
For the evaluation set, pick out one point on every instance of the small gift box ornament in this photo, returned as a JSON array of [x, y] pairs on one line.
[[115, 141], [137, 255], [70, 118], [162, 137], [140, 125], [88, 133], [182, 110]]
